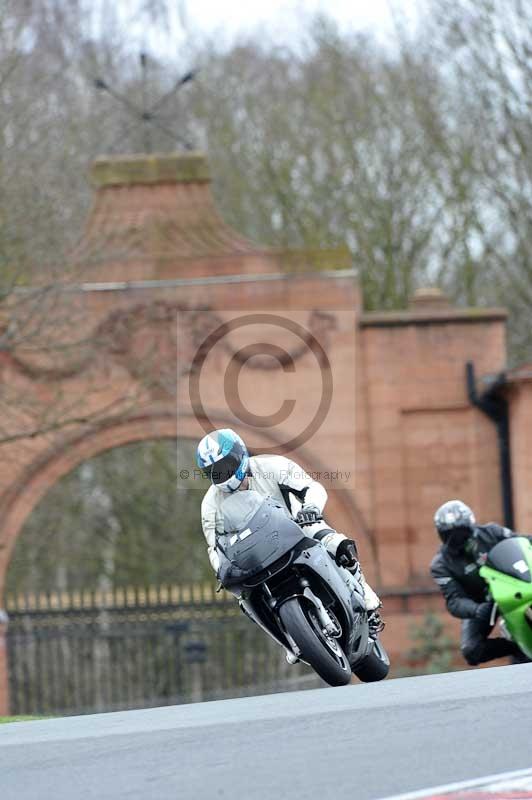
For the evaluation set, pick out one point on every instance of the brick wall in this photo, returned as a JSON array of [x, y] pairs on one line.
[[426, 443], [519, 393]]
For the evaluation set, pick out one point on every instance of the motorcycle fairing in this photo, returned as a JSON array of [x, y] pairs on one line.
[[510, 558], [268, 536], [513, 595], [350, 595]]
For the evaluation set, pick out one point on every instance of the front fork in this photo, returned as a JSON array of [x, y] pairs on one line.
[[502, 622], [330, 628]]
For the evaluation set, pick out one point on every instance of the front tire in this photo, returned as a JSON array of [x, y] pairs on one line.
[[374, 667], [325, 656]]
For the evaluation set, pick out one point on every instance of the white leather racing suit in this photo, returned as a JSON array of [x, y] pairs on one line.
[[283, 480]]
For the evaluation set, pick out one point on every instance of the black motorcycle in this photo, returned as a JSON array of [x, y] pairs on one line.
[[289, 585]]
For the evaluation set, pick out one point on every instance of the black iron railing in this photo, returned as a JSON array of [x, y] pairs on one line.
[[100, 651]]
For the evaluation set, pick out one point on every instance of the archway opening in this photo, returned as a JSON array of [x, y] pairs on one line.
[[121, 519]]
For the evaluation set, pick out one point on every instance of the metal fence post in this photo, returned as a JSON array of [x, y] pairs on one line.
[[196, 656], [4, 677]]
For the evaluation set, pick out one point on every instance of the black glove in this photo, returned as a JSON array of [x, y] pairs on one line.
[[483, 612], [308, 515], [229, 574], [346, 554]]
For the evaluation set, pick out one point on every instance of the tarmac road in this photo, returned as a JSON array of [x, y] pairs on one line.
[[360, 742]]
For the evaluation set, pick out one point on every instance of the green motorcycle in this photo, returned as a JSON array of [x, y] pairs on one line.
[[508, 572]]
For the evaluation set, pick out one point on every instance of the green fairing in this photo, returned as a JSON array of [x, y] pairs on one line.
[[513, 597]]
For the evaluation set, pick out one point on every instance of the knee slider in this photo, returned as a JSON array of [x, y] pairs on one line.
[[323, 534]]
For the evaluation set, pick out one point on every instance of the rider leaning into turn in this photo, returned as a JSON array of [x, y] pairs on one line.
[[455, 568], [223, 457]]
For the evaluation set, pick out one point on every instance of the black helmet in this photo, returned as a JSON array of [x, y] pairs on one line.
[[455, 523]]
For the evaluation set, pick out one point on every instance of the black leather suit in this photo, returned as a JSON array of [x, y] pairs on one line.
[[460, 583]]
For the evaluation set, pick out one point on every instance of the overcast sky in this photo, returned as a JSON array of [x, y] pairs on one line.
[[282, 19], [238, 15]]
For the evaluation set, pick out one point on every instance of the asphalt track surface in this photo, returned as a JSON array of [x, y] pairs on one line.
[[360, 742]]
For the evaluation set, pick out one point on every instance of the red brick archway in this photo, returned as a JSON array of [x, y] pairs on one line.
[[155, 264], [47, 469]]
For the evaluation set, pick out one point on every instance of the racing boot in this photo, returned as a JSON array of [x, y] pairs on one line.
[[375, 622]]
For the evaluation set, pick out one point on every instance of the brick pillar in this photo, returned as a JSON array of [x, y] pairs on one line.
[[4, 677]]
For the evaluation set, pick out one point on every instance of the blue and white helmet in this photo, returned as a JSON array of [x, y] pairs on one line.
[[452, 516], [223, 457]]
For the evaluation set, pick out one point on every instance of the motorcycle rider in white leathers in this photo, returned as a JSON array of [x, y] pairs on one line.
[[223, 456]]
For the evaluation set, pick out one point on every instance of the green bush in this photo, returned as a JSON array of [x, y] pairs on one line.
[[432, 649]]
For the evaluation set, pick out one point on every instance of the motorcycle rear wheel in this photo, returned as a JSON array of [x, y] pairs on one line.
[[323, 654], [374, 667]]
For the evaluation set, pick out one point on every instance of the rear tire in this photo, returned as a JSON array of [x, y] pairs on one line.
[[374, 667], [333, 668]]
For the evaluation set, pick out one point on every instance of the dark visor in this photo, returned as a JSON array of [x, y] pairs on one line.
[[222, 470], [457, 537]]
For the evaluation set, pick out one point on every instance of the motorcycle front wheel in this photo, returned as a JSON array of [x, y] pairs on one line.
[[323, 653]]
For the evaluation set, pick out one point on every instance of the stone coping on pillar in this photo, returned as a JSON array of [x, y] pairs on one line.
[[386, 319], [150, 169], [207, 280], [521, 374]]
